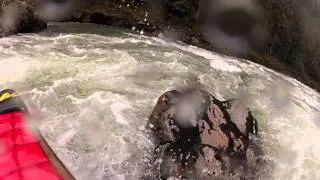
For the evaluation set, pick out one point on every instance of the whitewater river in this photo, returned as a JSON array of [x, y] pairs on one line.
[[95, 87]]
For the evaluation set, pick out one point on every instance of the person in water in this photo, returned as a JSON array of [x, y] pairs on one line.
[[195, 137], [24, 154]]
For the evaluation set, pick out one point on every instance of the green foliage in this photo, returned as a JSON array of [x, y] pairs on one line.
[[284, 29], [182, 11], [288, 38]]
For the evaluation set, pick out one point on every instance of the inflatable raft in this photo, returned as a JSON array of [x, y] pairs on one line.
[[24, 154]]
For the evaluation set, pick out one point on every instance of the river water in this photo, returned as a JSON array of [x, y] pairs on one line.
[[95, 87]]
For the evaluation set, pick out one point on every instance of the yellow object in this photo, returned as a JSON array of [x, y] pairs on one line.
[[6, 96]]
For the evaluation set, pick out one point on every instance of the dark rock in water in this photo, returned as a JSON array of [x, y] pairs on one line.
[[98, 18], [108, 19], [80, 17], [2, 33], [19, 17], [195, 136]]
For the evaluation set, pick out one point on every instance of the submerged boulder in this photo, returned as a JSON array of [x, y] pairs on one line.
[[19, 17], [198, 136]]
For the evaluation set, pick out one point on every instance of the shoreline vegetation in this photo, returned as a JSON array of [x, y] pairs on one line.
[[290, 43]]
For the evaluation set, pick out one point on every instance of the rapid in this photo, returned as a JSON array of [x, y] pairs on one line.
[[95, 87]]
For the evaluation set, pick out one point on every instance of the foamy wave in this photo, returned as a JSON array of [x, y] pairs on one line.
[[97, 92]]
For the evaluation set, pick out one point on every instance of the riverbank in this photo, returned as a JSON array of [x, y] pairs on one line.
[[19, 17], [177, 22], [140, 20]]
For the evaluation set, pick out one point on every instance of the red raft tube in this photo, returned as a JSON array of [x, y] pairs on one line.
[[23, 155]]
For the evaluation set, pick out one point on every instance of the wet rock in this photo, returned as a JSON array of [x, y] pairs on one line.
[[2, 33], [19, 17], [195, 136], [80, 17], [109, 19], [98, 18]]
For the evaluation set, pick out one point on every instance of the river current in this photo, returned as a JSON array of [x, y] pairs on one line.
[[95, 87]]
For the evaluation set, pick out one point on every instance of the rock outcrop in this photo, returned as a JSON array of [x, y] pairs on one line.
[[195, 136], [19, 17]]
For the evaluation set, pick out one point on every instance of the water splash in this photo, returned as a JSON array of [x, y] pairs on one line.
[[121, 77]]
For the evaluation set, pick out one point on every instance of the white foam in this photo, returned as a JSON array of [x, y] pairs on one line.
[[118, 111], [13, 70], [223, 65], [96, 103], [67, 136]]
